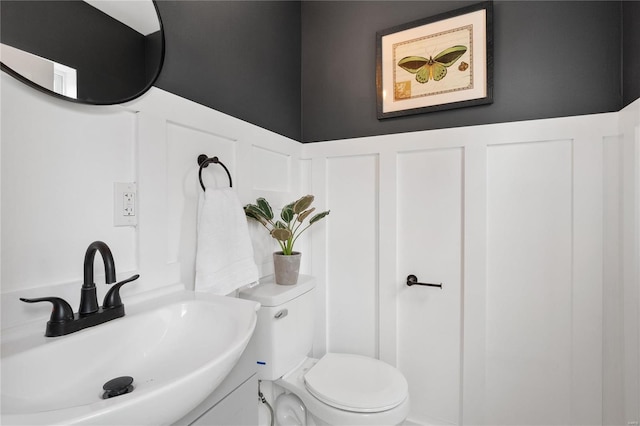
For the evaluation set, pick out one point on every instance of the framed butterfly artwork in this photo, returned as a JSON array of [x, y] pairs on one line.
[[436, 63]]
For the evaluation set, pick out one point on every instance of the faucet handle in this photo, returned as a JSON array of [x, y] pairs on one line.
[[61, 311], [112, 298]]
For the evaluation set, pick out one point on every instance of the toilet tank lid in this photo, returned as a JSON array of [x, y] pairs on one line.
[[268, 293]]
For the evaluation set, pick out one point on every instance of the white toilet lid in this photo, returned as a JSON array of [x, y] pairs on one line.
[[356, 383]]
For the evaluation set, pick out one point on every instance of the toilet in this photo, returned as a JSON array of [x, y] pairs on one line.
[[337, 389]]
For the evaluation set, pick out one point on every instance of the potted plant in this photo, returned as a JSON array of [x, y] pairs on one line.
[[286, 231]]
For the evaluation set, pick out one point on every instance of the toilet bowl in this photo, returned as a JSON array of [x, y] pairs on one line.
[[336, 394], [337, 389]]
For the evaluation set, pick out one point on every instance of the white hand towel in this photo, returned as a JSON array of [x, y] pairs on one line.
[[224, 257]]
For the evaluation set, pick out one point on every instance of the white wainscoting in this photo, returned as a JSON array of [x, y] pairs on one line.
[[184, 144], [352, 246], [510, 218], [529, 283], [172, 133], [59, 163], [629, 209], [613, 291], [429, 244], [57, 185], [532, 227]]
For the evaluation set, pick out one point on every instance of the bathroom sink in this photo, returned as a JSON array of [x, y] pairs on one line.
[[177, 348]]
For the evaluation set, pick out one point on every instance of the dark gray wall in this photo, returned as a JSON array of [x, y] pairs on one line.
[[551, 59], [238, 57], [630, 51], [306, 69]]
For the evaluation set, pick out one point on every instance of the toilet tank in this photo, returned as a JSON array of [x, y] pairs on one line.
[[284, 332]]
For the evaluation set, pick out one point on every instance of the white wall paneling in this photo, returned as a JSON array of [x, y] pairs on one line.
[[613, 291], [529, 283], [43, 195], [587, 275], [389, 286], [317, 169], [184, 144], [272, 170], [474, 308], [511, 218], [304, 245], [635, 254], [630, 245], [352, 254], [634, 224], [152, 201], [181, 132], [275, 175], [60, 161], [429, 244], [533, 228]]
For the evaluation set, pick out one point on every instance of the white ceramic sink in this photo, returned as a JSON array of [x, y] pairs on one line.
[[178, 348]]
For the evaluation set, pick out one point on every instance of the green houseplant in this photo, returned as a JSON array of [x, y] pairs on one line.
[[286, 231]]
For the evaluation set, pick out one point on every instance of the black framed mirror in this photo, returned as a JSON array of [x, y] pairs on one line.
[[98, 52]]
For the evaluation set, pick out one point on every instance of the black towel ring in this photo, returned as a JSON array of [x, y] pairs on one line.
[[204, 161]]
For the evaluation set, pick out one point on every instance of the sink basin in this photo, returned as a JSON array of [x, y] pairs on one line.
[[178, 348]]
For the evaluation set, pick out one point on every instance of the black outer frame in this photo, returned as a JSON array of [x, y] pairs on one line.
[[39, 88], [488, 99]]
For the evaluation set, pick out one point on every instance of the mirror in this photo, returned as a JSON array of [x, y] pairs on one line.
[[98, 52]]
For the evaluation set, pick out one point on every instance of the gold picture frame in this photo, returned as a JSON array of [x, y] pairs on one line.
[[437, 63]]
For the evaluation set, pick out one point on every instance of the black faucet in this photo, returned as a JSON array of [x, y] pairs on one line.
[[64, 321], [88, 297]]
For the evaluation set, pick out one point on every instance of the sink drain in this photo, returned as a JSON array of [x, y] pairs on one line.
[[118, 386]]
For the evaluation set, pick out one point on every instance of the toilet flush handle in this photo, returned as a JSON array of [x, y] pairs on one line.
[[281, 314]]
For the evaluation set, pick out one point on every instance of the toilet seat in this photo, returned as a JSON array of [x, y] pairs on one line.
[[356, 383]]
